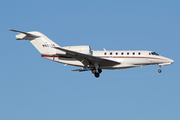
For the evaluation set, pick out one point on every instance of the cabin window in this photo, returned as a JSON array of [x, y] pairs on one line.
[[110, 53], [133, 53], [139, 53], [122, 53], [116, 53], [127, 53], [149, 53], [105, 53]]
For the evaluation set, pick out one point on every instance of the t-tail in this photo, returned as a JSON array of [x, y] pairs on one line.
[[42, 43]]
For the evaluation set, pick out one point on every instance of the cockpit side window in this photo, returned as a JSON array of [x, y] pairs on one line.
[[153, 53]]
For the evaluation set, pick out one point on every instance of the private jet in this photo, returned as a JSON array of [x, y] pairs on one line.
[[91, 60]]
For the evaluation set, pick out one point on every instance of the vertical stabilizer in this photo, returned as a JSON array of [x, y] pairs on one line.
[[42, 43]]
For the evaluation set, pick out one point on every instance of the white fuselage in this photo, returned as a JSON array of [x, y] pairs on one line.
[[83, 56], [127, 59]]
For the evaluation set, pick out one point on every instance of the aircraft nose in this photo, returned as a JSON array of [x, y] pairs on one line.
[[171, 61]]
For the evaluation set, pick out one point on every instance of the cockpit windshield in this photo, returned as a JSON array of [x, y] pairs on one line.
[[154, 53]]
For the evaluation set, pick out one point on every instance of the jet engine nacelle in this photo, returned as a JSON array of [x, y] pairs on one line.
[[82, 49]]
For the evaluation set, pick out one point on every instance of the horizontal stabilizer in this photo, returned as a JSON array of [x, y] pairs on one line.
[[82, 69], [23, 35]]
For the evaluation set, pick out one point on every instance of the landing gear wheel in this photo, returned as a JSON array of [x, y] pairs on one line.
[[93, 71], [96, 75], [99, 70], [159, 70]]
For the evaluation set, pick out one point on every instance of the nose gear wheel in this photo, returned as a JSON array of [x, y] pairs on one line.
[[160, 69]]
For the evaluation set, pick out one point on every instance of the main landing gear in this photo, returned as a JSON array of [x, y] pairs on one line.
[[96, 72]]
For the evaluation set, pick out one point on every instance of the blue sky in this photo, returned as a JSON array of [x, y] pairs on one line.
[[33, 88]]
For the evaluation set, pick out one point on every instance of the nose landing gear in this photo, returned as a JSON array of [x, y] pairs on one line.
[[159, 69]]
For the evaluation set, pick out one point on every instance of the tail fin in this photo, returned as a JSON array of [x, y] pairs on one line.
[[42, 43]]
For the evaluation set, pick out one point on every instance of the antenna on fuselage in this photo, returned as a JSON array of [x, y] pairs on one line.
[[104, 49]]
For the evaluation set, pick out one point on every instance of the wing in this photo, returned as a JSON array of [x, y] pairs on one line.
[[88, 60]]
